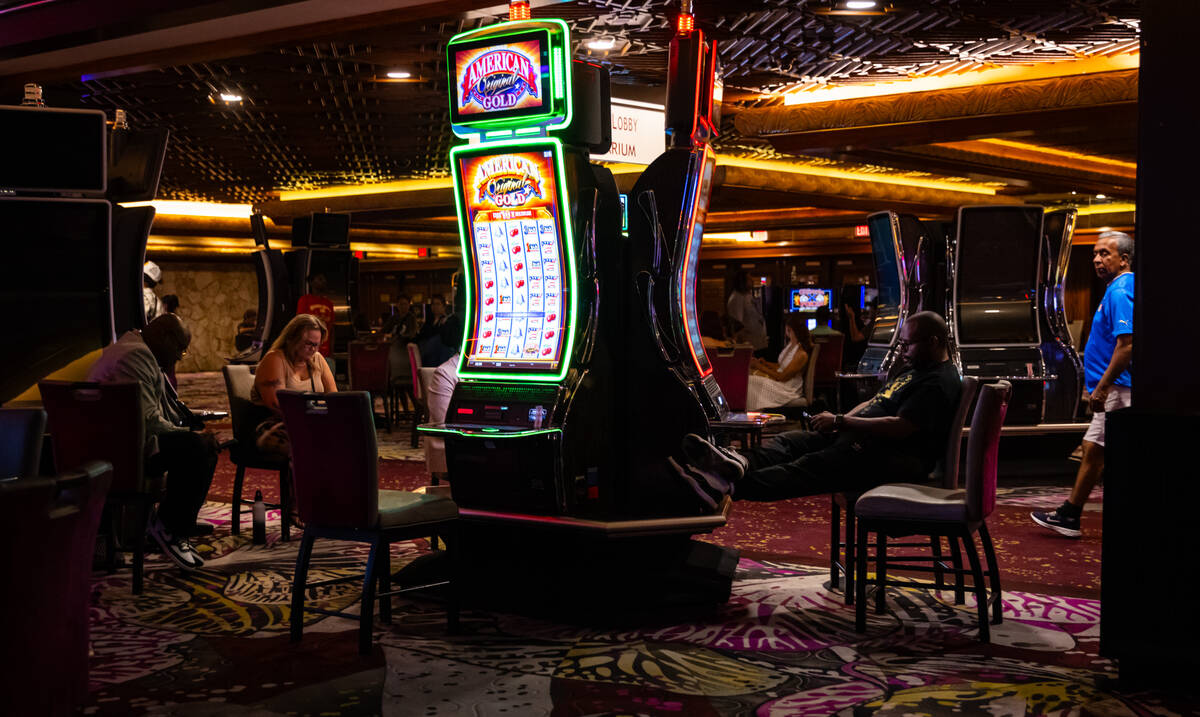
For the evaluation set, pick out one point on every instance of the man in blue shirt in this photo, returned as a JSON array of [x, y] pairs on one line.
[[1106, 367]]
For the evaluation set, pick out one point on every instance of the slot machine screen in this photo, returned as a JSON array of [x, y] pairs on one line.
[[888, 273], [997, 269], [512, 205], [811, 299], [498, 79]]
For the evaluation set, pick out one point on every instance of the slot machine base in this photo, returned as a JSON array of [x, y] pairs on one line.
[[548, 573]]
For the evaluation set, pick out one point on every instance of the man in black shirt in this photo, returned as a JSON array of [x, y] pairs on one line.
[[896, 436]]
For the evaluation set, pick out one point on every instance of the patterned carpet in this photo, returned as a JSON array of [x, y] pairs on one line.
[[215, 642]]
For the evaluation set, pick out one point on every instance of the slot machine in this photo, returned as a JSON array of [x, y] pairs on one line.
[[1058, 353], [666, 222], [546, 430]]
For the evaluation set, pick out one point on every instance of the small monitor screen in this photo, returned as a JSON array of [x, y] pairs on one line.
[[52, 150], [513, 214], [888, 279], [812, 324], [501, 78], [810, 299]]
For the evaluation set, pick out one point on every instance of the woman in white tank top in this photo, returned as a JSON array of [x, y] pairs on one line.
[[777, 384]]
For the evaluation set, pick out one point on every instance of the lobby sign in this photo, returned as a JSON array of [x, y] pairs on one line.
[[638, 136]]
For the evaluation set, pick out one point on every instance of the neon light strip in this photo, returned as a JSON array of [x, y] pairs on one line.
[[691, 255], [568, 238], [483, 432]]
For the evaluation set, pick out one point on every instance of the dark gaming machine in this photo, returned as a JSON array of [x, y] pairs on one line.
[[558, 432]]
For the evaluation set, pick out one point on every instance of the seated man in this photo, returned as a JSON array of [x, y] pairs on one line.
[[187, 458], [896, 436]]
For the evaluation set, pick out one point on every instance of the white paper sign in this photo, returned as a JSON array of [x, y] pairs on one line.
[[637, 133]]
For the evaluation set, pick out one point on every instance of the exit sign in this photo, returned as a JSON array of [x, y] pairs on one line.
[[862, 230]]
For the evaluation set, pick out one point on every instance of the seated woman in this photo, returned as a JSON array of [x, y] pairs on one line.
[[294, 363], [778, 384]]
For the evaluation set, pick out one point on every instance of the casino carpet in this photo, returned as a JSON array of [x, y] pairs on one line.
[[215, 642]]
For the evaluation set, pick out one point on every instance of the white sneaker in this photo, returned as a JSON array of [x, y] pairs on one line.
[[179, 550]]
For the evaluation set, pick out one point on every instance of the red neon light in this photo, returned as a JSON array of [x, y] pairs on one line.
[[684, 23], [518, 10], [466, 411], [689, 292]]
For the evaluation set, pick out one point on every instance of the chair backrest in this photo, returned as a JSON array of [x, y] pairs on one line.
[[831, 357], [98, 422], [21, 431], [368, 366], [414, 362], [946, 472], [983, 445], [814, 357], [239, 382], [731, 369], [335, 459]]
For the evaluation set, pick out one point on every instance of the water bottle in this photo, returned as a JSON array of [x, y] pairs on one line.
[[259, 513]]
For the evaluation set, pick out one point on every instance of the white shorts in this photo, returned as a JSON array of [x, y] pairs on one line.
[[1118, 397]]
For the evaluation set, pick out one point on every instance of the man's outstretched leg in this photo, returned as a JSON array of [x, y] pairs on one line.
[[1065, 519]]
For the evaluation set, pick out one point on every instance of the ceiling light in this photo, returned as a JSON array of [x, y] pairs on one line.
[[860, 4], [230, 97], [1101, 196], [399, 75], [603, 43]]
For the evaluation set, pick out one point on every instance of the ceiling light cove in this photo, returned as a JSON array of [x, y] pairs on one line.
[[399, 75]]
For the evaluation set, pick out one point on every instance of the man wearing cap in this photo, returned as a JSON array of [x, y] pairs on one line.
[[151, 275]]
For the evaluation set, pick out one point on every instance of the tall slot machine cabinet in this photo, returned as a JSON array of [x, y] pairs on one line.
[[543, 446]]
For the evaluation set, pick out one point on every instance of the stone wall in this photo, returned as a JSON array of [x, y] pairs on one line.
[[212, 298]]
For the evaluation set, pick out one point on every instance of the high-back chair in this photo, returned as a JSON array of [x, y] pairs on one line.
[[945, 475], [54, 523], [731, 369], [421, 412], [104, 422], [369, 372], [335, 459], [245, 416], [829, 363], [903, 509], [21, 431]]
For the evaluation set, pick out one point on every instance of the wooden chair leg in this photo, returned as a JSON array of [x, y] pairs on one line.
[[366, 619], [956, 555], [139, 544], [298, 586], [989, 552], [835, 543], [985, 634], [235, 520], [935, 545], [853, 548], [384, 569], [880, 571], [860, 595]]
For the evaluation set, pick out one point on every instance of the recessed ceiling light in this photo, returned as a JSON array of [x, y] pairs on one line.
[[230, 97], [860, 4], [399, 75], [602, 43], [1101, 196]]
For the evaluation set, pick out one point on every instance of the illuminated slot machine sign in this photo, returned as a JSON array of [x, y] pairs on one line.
[[810, 299], [511, 201], [696, 199]]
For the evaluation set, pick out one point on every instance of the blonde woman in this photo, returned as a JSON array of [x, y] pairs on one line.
[[293, 362]]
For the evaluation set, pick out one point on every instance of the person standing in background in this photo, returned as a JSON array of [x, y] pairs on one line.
[[151, 304], [743, 308], [316, 303]]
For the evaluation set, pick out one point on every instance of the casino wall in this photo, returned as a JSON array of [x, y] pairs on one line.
[[212, 298]]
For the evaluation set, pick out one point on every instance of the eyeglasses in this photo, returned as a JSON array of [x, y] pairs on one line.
[[310, 345]]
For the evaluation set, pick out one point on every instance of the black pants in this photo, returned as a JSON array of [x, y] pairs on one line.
[[799, 463], [189, 460]]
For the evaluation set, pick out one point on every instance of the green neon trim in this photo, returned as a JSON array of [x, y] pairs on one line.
[[498, 134], [560, 76], [491, 432], [528, 130], [564, 226]]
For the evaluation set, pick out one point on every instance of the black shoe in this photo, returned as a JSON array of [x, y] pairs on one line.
[[729, 465], [177, 549], [1059, 523]]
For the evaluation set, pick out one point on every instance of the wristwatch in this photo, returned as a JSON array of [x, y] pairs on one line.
[[839, 421]]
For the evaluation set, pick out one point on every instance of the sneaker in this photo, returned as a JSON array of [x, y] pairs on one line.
[[1059, 523], [698, 485], [178, 550], [729, 465]]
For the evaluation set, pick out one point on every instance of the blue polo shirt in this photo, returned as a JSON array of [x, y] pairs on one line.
[[1114, 318]]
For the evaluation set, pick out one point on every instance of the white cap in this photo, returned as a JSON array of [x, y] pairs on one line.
[[151, 270]]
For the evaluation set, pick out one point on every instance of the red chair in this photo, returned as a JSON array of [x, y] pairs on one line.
[[21, 431], [903, 509], [421, 412], [336, 462], [369, 372], [731, 369], [104, 422], [829, 362], [50, 525]]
